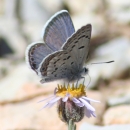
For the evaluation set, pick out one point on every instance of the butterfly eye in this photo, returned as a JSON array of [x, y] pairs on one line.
[[85, 70]]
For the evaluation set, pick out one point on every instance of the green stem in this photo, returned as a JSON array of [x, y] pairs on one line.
[[71, 125]]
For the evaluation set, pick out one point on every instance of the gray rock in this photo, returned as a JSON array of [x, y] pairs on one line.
[[33, 31], [12, 116], [21, 83], [77, 6], [125, 99], [5, 67], [33, 17], [118, 50], [84, 18], [48, 4], [117, 115], [86, 126], [120, 11], [10, 9], [13, 37], [13, 82], [31, 11]]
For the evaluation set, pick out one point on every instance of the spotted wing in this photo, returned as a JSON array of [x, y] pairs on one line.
[[57, 30], [35, 53], [58, 65], [78, 45], [67, 63]]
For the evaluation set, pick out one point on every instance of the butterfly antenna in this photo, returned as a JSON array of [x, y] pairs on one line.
[[103, 62], [83, 80], [76, 83], [89, 80], [87, 57]]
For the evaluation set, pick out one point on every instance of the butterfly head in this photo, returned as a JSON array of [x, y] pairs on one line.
[[84, 71]]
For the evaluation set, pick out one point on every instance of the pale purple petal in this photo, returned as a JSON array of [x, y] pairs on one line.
[[44, 106], [80, 104], [89, 99], [65, 98], [51, 104], [94, 115], [54, 99], [47, 98], [75, 100], [48, 105], [89, 113], [87, 104]]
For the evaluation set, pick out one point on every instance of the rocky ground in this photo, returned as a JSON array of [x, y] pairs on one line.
[[21, 23]]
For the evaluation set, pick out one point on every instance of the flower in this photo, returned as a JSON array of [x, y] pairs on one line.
[[72, 103]]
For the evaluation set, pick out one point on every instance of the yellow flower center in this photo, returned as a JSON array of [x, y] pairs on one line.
[[72, 91]]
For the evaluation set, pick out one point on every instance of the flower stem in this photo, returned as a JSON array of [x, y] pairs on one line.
[[71, 125]]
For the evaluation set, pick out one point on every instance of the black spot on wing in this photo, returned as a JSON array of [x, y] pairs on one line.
[[72, 63], [81, 47], [63, 63], [53, 72], [31, 53], [34, 65], [42, 68], [68, 57], [56, 61], [70, 50], [81, 37], [73, 46], [32, 59]]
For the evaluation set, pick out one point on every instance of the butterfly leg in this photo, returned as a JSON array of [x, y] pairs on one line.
[[70, 80], [78, 80], [83, 79], [89, 80], [77, 83], [68, 84]]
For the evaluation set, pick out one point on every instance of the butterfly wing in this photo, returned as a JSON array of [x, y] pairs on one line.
[[57, 30], [68, 62], [35, 53], [78, 45], [58, 65]]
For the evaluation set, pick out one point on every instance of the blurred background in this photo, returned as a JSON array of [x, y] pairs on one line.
[[21, 23]]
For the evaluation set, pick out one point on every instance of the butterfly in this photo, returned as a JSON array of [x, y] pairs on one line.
[[63, 52]]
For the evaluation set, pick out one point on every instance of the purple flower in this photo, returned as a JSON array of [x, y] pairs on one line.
[[72, 103]]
